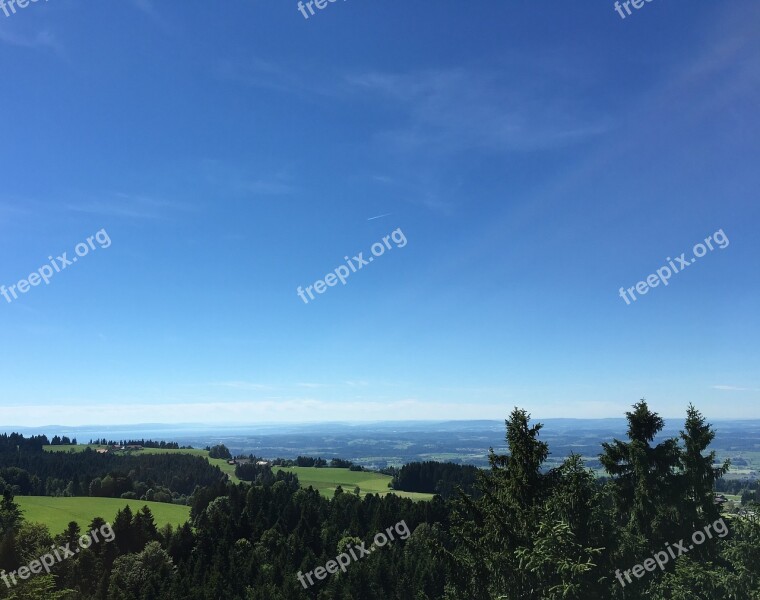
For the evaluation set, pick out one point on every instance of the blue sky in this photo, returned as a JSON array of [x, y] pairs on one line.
[[536, 159]]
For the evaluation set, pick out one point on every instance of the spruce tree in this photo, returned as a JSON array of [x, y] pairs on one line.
[[644, 480], [699, 473]]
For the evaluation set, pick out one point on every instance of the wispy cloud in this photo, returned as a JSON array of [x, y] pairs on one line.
[[145, 6], [729, 65], [128, 206], [724, 73], [260, 187], [457, 109], [9, 211], [41, 39], [148, 8], [419, 182], [734, 388], [428, 119], [237, 179], [443, 109]]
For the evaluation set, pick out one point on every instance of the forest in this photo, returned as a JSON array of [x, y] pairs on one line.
[[529, 533], [435, 477], [26, 469]]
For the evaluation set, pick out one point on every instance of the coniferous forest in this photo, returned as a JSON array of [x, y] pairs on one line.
[[651, 528]]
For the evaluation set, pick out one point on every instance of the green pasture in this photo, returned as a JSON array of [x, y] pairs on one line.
[[326, 480], [57, 513]]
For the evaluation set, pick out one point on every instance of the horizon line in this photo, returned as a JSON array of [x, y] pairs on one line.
[[10, 428]]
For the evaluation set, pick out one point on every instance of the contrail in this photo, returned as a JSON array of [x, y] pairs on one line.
[[379, 216]]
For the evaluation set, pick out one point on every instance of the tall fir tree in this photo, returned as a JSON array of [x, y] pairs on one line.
[[699, 471], [644, 480]]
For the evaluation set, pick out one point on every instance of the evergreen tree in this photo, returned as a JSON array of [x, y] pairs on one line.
[[699, 474], [644, 480], [10, 513], [489, 531]]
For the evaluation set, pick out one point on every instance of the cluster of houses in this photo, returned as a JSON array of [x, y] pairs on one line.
[[245, 461], [115, 448]]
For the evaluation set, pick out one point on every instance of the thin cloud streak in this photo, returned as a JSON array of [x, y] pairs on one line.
[[733, 388], [128, 206], [42, 39], [452, 110]]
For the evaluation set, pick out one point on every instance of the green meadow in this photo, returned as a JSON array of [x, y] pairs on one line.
[[327, 479], [57, 513]]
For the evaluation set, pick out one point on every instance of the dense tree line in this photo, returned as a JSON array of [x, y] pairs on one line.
[[219, 451], [307, 461], [533, 533], [144, 443], [251, 471], [737, 486], [31, 471], [436, 478], [62, 441], [15, 442]]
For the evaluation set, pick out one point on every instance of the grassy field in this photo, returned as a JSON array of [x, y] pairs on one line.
[[56, 513], [217, 462], [740, 471], [325, 480]]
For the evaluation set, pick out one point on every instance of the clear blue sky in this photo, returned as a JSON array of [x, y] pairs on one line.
[[537, 158]]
